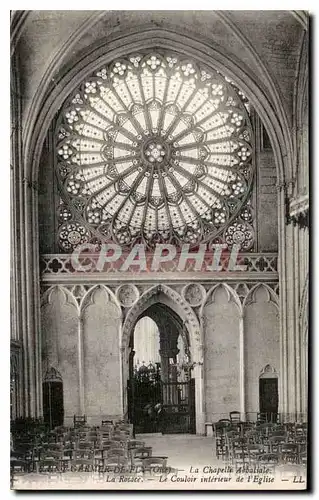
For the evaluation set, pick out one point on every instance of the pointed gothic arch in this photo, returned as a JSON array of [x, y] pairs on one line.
[[168, 296], [251, 296], [231, 295]]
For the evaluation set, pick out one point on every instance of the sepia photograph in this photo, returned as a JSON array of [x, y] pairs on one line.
[[159, 224]]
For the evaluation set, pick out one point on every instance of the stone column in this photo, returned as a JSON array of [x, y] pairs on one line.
[[164, 354], [25, 267], [198, 374]]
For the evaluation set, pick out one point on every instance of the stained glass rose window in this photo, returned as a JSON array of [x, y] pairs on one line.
[[154, 148]]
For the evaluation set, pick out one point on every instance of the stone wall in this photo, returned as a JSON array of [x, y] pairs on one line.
[[83, 345], [221, 363], [240, 340], [261, 342]]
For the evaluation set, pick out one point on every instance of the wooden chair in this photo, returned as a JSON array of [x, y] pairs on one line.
[[127, 428], [82, 465], [254, 451], [107, 423], [138, 455], [275, 443], [116, 452], [55, 446], [303, 458], [109, 443], [234, 416], [289, 453], [269, 459], [238, 453], [18, 455], [154, 465], [115, 463], [221, 447], [79, 420], [135, 443], [49, 465], [103, 436], [18, 466], [120, 439], [83, 454], [85, 445], [252, 437]]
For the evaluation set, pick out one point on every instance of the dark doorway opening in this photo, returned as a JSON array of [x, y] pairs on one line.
[[161, 393], [53, 409], [268, 399]]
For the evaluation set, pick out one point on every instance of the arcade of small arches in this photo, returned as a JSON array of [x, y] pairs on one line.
[[168, 142]]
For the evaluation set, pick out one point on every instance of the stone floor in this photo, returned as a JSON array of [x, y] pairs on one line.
[[182, 450]]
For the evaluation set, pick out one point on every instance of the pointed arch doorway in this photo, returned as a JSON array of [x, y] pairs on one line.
[[161, 391]]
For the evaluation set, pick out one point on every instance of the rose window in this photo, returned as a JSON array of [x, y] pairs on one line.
[[155, 153], [154, 148]]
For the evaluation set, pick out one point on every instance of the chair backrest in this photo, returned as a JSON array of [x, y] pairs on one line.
[[104, 435], [289, 448], [269, 458], [254, 448], [273, 433], [56, 446], [107, 422], [119, 439], [18, 465], [51, 455], [134, 443], [149, 462], [142, 452], [112, 452], [115, 460], [17, 455], [82, 465], [83, 454], [79, 420], [234, 416], [303, 457], [277, 439], [109, 443], [91, 438], [85, 445]]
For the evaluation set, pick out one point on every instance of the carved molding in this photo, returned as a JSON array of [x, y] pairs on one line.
[[58, 267], [67, 295], [268, 371], [251, 297], [178, 304], [52, 375], [80, 296], [194, 294], [299, 211], [127, 295], [231, 296]]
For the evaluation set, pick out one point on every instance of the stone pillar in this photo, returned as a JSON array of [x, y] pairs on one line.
[[173, 376], [165, 374], [25, 268], [198, 374]]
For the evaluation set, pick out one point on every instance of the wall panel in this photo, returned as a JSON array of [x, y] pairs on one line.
[[102, 379], [59, 346], [221, 331], [262, 342]]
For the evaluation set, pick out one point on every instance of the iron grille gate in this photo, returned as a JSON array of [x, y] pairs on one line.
[[156, 406], [178, 399]]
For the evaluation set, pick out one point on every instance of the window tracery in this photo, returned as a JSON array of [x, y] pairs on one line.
[[154, 148]]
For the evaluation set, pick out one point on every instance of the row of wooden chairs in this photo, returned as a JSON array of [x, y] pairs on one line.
[[84, 449], [258, 443]]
